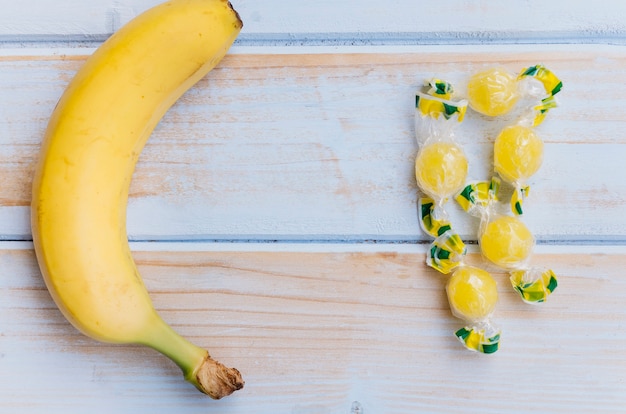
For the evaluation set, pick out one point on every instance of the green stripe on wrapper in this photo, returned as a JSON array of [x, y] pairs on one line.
[[557, 88], [479, 194], [440, 88], [517, 200], [465, 197], [551, 83], [486, 341], [553, 283], [542, 109], [446, 252], [433, 220], [436, 106], [534, 285], [552, 86]]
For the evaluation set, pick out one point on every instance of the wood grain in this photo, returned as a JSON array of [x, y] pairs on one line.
[[315, 328], [321, 146], [329, 21], [279, 202]]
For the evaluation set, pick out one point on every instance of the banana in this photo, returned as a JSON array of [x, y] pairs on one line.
[[88, 155]]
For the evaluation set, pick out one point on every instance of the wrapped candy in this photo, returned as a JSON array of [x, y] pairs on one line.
[[472, 293], [440, 165], [517, 155], [493, 92], [496, 91], [518, 150], [441, 171], [534, 285], [506, 241]]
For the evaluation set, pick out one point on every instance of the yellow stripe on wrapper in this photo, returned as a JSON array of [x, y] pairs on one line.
[[477, 340], [542, 109], [435, 107], [533, 285], [446, 252], [517, 200], [440, 88], [429, 220], [551, 83], [479, 194]]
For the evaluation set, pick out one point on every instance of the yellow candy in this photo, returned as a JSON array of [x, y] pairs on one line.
[[518, 153], [441, 169], [472, 294], [506, 242], [492, 92]]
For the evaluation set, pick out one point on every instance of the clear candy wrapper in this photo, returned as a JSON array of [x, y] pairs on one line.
[[506, 242], [517, 155], [472, 293], [534, 285], [518, 150], [496, 91], [441, 171], [440, 164]]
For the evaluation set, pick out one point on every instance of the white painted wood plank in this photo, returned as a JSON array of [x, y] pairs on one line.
[[321, 146], [454, 20], [314, 329]]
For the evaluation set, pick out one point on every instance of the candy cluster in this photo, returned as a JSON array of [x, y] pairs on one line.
[[518, 149], [441, 172]]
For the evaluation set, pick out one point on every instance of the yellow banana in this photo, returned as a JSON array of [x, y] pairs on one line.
[[89, 152]]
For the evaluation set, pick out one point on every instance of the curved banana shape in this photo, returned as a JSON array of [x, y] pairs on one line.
[[81, 184]]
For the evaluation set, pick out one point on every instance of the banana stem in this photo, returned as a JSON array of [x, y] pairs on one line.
[[206, 374]]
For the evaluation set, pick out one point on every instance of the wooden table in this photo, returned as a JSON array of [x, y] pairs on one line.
[[273, 215]]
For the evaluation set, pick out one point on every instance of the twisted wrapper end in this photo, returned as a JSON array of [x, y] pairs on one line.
[[433, 218], [436, 113], [517, 200], [484, 339], [480, 199], [541, 84], [534, 285], [446, 252]]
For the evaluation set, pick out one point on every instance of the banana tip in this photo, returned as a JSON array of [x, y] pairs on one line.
[[216, 380], [239, 21]]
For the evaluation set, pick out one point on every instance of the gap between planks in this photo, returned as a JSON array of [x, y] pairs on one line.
[[331, 247], [55, 51]]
